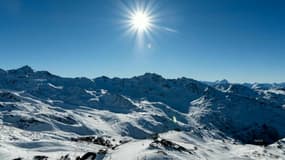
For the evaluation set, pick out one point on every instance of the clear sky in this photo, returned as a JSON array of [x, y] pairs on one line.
[[240, 40]]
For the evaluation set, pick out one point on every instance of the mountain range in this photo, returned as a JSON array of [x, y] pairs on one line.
[[45, 116]]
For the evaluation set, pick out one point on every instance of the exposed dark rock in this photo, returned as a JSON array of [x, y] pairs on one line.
[[88, 156], [103, 151], [161, 152], [124, 141], [66, 157], [169, 145], [40, 157], [95, 140]]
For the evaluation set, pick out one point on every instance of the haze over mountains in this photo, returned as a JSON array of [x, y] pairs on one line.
[[145, 117]]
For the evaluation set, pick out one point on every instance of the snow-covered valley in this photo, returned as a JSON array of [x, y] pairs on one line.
[[44, 116]]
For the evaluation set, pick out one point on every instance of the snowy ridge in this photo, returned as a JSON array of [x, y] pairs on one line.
[[40, 114]]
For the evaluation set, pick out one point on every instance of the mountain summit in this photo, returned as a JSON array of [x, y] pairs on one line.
[[25, 70]]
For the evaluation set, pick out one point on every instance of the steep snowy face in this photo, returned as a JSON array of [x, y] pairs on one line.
[[243, 118], [234, 88], [177, 93], [274, 92], [251, 113], [48, 87], [263, 91], [242, 90]]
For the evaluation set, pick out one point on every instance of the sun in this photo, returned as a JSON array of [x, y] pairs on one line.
[[140, 21]]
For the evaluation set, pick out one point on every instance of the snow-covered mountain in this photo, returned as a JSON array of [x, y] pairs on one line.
[[143, 117]]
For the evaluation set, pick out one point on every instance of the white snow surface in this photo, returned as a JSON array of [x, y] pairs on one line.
[[40, 113]]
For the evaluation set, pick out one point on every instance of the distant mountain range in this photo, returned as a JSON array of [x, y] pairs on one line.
[[145, 117]]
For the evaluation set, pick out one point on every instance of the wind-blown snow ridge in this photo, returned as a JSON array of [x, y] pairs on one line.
[[40, 113]]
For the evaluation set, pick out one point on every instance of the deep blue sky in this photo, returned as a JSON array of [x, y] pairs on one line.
[[240, 40]]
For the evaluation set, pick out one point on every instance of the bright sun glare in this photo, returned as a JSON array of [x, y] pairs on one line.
[[140, 21]]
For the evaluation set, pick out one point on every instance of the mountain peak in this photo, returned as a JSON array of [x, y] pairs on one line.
[[151, 75], [22, 70], [223, 81], [26, 68]]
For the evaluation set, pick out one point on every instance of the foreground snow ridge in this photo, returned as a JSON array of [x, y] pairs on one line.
[[44, 116]]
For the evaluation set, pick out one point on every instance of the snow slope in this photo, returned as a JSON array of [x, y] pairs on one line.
[[44, 114]]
